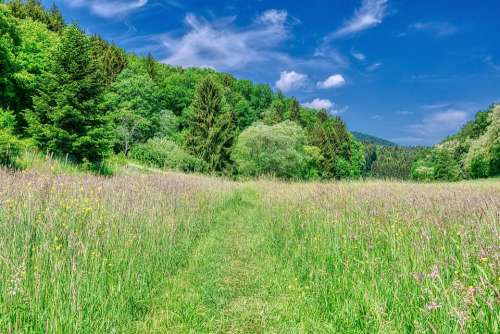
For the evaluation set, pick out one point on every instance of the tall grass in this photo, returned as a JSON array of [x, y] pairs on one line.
[[174, 253], [88, 254]]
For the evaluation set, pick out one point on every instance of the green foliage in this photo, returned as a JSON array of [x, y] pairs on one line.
[[367, 139], [474, 152], [389, 162], [211, 127], [483, 157], [110, 59], [66, 119], [422, 171], [275, 150], [276, 113], [164, 153], [313, 159], [132, 101], [330, 135], [34, 10], [10, 146], [33, 58], [438, 165], [9, 41]]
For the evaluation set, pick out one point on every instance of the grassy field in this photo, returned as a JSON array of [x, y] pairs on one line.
[[169, 253]]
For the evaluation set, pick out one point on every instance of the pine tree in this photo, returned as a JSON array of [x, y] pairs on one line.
[[276, 113], [150, 64], [65, 118], [331, 136], [211, 126], [56, 20], [295, 111], [110, 59]]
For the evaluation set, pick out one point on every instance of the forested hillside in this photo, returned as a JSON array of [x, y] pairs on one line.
[[368, 139], [82, 99]]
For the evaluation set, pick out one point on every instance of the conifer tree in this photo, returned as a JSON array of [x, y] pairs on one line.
[[295, 111], [65, 118], [331, 136], [211, 126]]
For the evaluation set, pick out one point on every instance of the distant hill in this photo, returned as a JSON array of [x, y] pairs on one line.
[[368, 139]]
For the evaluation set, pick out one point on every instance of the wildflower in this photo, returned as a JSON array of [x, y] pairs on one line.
[[434, 273], [432, 306]]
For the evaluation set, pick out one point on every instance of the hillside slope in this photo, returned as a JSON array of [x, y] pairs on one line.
[[369, 139]]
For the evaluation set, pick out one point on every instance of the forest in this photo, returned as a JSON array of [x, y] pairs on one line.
[[81, 99]]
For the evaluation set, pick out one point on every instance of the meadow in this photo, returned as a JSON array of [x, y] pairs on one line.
[[172, 253]]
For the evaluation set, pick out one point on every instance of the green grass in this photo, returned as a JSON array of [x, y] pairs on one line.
[[170, 253]]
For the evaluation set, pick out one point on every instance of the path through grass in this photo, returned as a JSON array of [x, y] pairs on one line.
[[167, 253]]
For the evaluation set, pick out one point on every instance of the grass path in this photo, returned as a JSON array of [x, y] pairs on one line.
[[232, 284]]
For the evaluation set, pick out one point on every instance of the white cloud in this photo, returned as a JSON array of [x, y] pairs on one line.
[[438, 29], [273, 16], [404, 113], [326, 104], [319, 104], [291, 80], [369, 15], [109, 8], [219, 44], [334, 81], [440, 124], [358, 55]]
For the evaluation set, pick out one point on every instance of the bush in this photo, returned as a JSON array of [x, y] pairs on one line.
[[10, 149], [422, 172], [313, 162], [164, 153], [273, 150], [446, 168]]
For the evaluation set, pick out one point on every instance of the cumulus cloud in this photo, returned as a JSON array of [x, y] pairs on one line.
[[109, 8], [326, 104], [319, 104], [291, 80], [438, 29], [219, 44], [334, 81], [370, 14]]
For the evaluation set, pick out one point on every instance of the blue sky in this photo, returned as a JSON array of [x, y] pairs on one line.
[[408, 71]]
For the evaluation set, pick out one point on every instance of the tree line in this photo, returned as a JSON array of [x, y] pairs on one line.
[[82, 98]]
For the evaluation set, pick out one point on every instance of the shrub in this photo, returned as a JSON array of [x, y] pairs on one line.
[[422, 172], [164, 153], [313, 162], [272, 150]]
